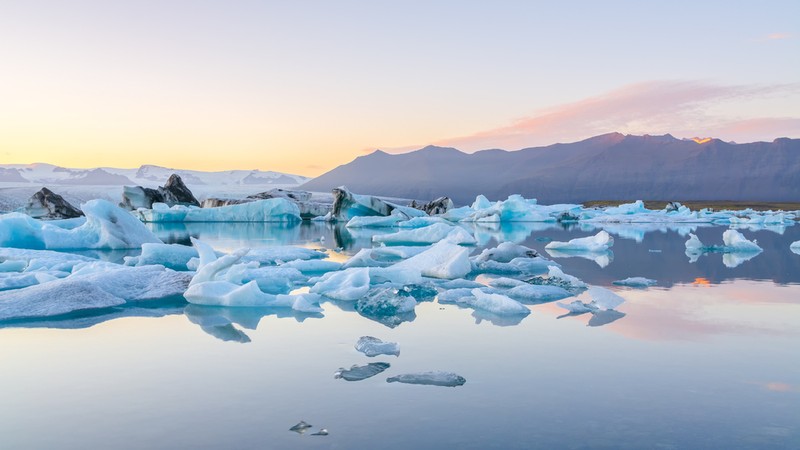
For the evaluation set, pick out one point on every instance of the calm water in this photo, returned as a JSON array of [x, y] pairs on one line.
[[710, 358]]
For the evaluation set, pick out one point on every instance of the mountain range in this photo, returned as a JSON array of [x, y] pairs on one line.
[[607, 167], [147, 175]]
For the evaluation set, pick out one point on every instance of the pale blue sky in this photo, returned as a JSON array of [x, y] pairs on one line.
[[304, 86]]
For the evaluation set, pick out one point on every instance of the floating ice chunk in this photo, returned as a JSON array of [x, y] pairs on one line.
[[270, 210], [504, 282], [537, 293], [456, 295], [225, 293], [364, 258], [604, 299], [639, 282], [281, 254], [795, 247], [442, 260], [427, 235], [92, 285], [481, 202], [385, 302], [636, 207], [577, 307], [447, 379], [358, 373], [172, 256], [694, 245], [495, 303], [52, 299], [556, 277], [349, 284], [372, 346], [313, 266], [392, 274], [517, 266], [375, 221], [419, 222], [597, 243], [459, 283], [106, 227], [505, 252], [300, 427], [17, 280], [736, 242], [321, 432], [13, 266]]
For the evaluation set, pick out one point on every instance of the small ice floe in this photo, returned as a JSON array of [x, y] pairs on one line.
[[735, 242], [795, 247], [301, 427], [436, 378], [372, 346], [358, 373], [602, 300], [597, 243], [636, 282], [321, 432], [556, 277]]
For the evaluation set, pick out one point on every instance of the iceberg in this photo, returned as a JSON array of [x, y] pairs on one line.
[[602, 259], [494, 303], [795, 247], [437, 206], [604, 299], [372, 346], [347, 205], [735, 242], [437, 378], [174, 192], [576, 307], [270, 210], [358, 373], [385, 302], [556, 277], [106, 227], [348, 285], [637, 282], [505, 252], [532, 293], [376, 221], [172, 256], [597, 243], [442, 260], [92, 285], [428, 235], [46, 204]]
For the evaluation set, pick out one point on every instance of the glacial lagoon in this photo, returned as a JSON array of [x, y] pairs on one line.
[[706, 358]]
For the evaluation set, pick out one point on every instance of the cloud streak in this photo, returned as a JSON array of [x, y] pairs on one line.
[[683, 108]]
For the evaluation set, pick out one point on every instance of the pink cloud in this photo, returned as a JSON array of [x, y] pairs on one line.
[[777, 36], [656, 107]]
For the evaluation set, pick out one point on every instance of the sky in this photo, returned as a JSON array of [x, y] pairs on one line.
[[304, 86]]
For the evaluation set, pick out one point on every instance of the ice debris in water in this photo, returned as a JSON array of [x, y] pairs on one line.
[[92, 285], [348, 285], [506, 252], [537, 293], [106, 227], [795, 247], [556, 277], [602, 300], [385, 301], [270, 210], [301, 427], [321, 432], [218, 282], [494, 303], [597, 243], [372, 346], [358, 373], [441, 260], [638, 282], [736, 242], [428, 235], [436, 378], [172, 256]]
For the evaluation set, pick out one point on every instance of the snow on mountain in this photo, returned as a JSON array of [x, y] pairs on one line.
[[147, 175]]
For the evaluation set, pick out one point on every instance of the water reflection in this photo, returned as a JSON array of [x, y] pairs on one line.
[[219, 321]]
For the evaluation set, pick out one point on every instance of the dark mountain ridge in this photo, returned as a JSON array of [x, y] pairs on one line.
[[605, 167]]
